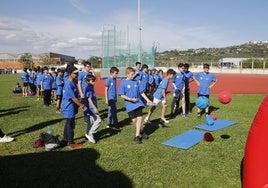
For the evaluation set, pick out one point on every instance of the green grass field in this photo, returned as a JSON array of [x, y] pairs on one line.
[[115, 160]]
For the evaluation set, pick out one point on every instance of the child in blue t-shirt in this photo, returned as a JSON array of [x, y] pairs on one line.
[[205, 81], [82, 83], [53, 73], [178, 90], [111, 98], [92, 116], [188, 79], [46, 86], [25, 81], [17, 88], [129, 91], [144, 85], [69, 106], [160, 96], [59, 86], [39, 74]]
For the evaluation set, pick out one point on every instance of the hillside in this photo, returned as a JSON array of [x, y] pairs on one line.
[[212, 55]]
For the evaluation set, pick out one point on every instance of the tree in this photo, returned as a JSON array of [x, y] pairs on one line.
[[26, 60], [45, 58], [95, 61]]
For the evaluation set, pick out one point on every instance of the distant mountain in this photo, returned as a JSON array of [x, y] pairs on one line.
[[255, 49]]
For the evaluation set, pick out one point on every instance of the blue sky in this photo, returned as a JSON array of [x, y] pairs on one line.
[[74, 27]]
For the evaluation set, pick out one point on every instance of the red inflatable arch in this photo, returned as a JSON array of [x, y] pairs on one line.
[[255, 165]]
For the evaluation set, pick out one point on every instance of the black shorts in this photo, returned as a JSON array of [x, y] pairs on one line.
[[199, 95], [135, 113]]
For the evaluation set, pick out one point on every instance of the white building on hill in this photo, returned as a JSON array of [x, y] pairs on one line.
[[230, 62]]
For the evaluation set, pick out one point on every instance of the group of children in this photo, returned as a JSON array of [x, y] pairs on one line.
[[141, 87], [136, 90]]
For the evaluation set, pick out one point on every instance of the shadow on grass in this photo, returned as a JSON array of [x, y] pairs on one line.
[[75, 168], [104, 113], [101, 134], [213, 108], [151, 128], [105, 133], [125, 122], [11, 111], [35, 127], [16, 108]]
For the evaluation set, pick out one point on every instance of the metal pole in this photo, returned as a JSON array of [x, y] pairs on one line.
[[139, 30]]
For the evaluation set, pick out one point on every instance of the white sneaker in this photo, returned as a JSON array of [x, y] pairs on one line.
[[90, 138], [163, 120], [6, 139], [146, 120]]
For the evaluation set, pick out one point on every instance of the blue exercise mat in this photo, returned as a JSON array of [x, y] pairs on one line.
[[185, 140], [218, 124]]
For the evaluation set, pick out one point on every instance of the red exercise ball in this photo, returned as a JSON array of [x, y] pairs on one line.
[[214, 117], [225, 97]]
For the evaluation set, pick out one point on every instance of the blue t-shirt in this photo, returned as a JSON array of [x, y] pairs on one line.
[[110, 83], [65, 76], [90, 93], [138, 75], [59, 85], [151, 80], [144, 81], [179, 81], [82, 77], [31, 77], [205, 81], [24, 77], [69, 108], [188, 76], [34, 78], [54, 75], [130, 88], [156, 79], [163, 85], [47, 80], [38, 78]]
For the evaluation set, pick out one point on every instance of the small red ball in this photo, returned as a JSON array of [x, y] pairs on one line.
[[225, 97], [214, 117]]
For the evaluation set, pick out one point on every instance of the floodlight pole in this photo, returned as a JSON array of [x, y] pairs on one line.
[[139, 30]]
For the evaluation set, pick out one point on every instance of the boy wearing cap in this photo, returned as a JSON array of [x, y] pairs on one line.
[[69, 106]]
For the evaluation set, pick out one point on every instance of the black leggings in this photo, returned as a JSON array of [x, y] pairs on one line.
[[47, 97]]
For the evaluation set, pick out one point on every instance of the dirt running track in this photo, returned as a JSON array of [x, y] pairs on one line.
[[234, 83]]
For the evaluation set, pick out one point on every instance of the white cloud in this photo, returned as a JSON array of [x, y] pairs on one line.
[[83, 39], [59, 35]]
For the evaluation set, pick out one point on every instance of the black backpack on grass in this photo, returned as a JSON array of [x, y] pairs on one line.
[[47, 138]]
